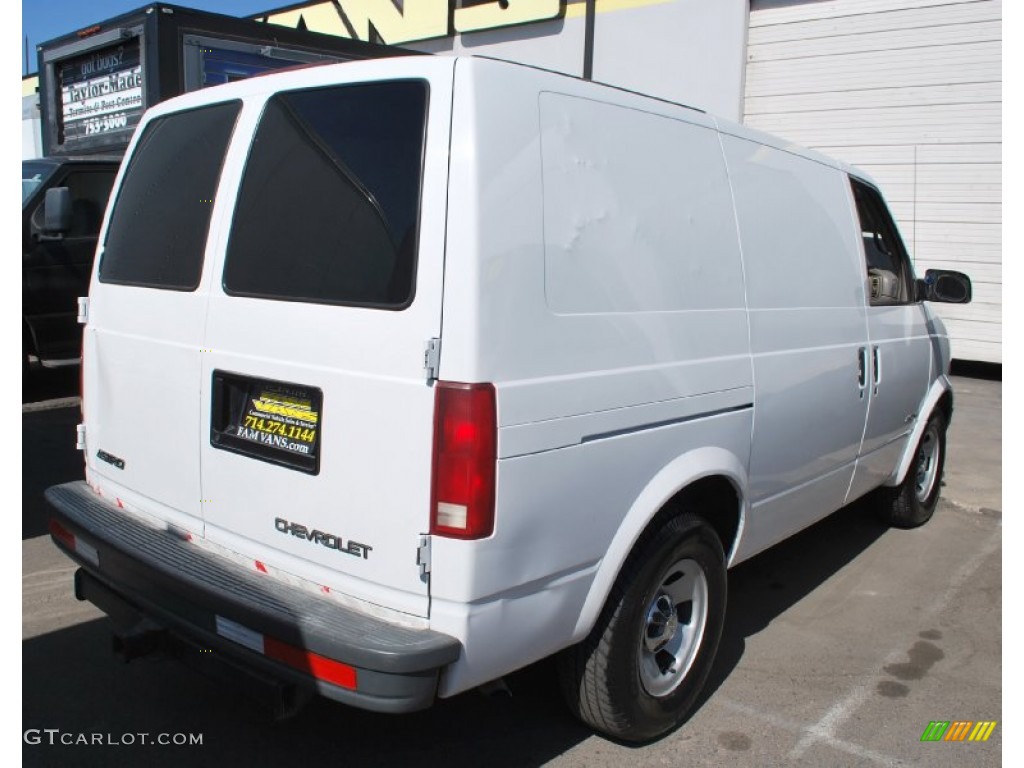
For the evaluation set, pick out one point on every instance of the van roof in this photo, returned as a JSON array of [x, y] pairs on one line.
[[326, 74]]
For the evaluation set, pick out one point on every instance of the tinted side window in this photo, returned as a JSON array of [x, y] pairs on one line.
[[888, 265], [161, 218], [329, 204]]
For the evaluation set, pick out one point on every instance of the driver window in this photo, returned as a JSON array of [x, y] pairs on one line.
[[888, 266], [89, 192]]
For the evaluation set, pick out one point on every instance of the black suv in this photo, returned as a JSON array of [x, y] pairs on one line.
[[57, 251]]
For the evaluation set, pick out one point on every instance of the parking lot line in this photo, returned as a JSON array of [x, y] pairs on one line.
[[824, 730]]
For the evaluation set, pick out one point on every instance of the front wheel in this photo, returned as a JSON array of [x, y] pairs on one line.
[[913, 501], [639, 672]]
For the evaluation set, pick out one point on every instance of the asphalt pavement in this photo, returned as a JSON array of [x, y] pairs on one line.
[[841, 645]]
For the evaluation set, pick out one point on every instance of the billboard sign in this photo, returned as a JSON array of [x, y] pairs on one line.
[[100, 91]]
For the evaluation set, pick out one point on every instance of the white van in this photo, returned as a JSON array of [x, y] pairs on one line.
[[400, 375]]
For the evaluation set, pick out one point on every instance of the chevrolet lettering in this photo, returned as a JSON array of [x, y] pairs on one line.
[[328, 540]]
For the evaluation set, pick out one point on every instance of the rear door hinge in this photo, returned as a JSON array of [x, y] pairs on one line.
[[423, 555], [83, 310], [432, 359], [80, 437]]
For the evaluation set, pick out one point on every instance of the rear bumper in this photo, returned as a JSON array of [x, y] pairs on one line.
[[134, 572]]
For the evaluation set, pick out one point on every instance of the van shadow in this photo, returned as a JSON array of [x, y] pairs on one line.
[[72, 682], [766, 586]]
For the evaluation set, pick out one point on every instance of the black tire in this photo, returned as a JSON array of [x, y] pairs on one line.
[[913, 501], [608, 678]]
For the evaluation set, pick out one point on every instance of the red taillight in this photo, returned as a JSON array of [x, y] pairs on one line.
[[62, 534], [74, 543], [311, 663], [465, 457], [302, 659]]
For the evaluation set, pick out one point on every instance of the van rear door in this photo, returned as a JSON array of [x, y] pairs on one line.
[[317, 414], [142, 343]]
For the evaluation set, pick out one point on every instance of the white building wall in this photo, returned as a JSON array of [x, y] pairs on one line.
[[910, 91], [687, 51], [555, 45], [31, 141], [31, 125]]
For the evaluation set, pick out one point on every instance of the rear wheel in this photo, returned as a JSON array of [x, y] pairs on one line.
[[639, 672], [913, 501]]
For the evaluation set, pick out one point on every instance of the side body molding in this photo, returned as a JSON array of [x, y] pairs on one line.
[[672, 478]]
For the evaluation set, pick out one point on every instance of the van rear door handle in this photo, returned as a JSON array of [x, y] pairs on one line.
[[862, 368]]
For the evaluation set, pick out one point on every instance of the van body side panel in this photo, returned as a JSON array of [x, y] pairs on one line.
[[593, 274], [497, 265], [566, 521], [808, 332], [628, 227]]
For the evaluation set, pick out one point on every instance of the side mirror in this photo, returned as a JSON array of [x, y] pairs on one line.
[[57, 212], [945, 286]]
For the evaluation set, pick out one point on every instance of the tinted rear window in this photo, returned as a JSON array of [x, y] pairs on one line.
[[329, 204], [160, 221]]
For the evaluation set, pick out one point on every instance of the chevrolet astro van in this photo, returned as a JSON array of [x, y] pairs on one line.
[[401, 375]]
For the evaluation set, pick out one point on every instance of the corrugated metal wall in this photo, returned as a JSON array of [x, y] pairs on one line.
[[910, 91]]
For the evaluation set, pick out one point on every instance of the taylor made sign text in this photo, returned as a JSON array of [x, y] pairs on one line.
[[384, 21], [101, 91]]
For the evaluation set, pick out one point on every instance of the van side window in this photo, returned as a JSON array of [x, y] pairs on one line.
[[160, 220], [888, 266], [328, 206]]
